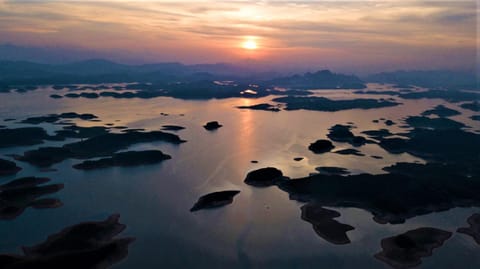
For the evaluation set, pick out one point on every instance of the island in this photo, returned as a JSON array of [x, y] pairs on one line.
[[263, 177], [8, 167], [212, 125], [21, 193], [123, 159], [321, 146], [84, 245], [406, 250], [324, 225], [214, 200], [104, 145], [474, 229], [324, 104]]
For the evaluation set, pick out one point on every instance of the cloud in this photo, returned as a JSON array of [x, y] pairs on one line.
[[213, 29]]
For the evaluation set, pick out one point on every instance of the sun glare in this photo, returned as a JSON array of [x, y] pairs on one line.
[[250, 45]]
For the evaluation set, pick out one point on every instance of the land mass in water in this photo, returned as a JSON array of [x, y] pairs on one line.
[[84, 245], [406, 250], [214, 200], [96, 146], [21, 193], [124, 159]]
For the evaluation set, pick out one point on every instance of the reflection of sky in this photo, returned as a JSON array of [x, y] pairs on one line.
[[262, 223], [380, 34], [246, 135]]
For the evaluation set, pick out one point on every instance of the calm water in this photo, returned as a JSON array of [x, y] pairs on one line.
[[262, 228]]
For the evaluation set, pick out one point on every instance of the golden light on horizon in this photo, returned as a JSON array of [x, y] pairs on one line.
[[250, 44], [303, 34]]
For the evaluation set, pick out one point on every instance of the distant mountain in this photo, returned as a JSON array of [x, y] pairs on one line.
[[92, 67], [104, 71], [323, 79], [430, 79], [89, 71], [71, 56]]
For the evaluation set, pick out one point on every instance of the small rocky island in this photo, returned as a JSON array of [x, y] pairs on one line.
[[406, 250], [474, 229], [212, 125], [214, 200], [263, 177], [263, 106], [21, 193], [343, 133], [85, 245], [349, 152], [172, 127], [325, 226], [129, 158], [321, 146], [332, 170]]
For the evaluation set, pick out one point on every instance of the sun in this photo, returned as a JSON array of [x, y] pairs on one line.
[[250, 44]]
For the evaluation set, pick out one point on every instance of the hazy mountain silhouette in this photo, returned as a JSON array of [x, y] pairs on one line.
[[89, 71], [104, 71], [323, 79], [430, 79]]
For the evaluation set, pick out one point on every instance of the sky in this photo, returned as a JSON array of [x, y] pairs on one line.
[[354, 36]]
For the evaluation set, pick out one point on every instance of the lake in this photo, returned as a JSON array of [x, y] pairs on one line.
[[262, 227]]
